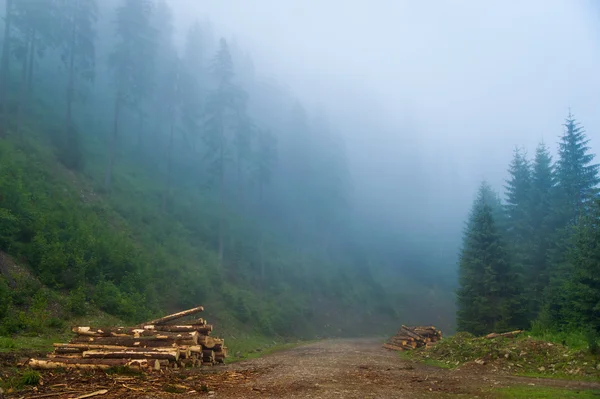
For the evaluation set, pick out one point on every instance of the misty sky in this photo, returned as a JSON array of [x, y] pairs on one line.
[[414, 83]]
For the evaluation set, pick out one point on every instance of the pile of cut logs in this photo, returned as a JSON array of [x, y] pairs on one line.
[[408, 338], [162, 343]]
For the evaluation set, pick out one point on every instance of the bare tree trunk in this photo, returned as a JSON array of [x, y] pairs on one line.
[[23, 86], [5, 67], [221, 190], [31, 64], [113, 142], [71, 84], [140, 129], [169, 161]]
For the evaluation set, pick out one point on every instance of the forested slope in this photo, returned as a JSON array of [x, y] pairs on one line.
[[140, 175]]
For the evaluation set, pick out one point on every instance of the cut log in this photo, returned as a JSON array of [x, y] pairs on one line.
[[82, 364], [81, 347], [510, 334], [410, 333], [181, 328], [210, 342], [172, 355], [64, 350], [151, 339], [175, 316]]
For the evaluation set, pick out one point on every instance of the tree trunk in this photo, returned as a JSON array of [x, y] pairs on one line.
[[31, 64], [221, 189], [71, 85], [144, 353], [23, 87], [83, 364], [5, 68], [175, 316], [113, 143], [169, 161], [140, 130]]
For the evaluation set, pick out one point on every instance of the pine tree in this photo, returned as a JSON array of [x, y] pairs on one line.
[[576, 181], [37, 28], [583, 286], [191, 88], [489, 296], [540, 212], [576, 177], [220, 109], [78, 55], [5, 64], [518, 191], [131, 61]]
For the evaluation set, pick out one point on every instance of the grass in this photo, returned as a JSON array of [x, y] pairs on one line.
[[530, 392], [43, 342], [525, 355], [253, 346], [35, 344]]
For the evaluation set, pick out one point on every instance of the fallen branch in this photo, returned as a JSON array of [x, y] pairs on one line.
[[89, 395], [510, 334]]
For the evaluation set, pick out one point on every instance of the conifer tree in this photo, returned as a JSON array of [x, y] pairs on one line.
[[518, 191], [540, 212], [576, 181], [5, 63], [489, 295], [78, 55], [576, 177], [131, 61], [220, 109], [583, 286]]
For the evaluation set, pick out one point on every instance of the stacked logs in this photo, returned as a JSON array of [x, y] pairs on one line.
[[408, 338], [162, 343]]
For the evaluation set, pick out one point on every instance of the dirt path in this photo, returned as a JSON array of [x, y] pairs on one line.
[[362, 369], [326, 369]]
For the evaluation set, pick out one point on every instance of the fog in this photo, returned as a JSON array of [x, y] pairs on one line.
[[432, 95], [233, 162]]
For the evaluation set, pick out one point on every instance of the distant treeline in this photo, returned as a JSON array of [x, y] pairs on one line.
[[534, 258]]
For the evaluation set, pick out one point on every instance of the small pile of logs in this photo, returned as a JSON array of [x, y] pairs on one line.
[[408, 338], [162, 343]]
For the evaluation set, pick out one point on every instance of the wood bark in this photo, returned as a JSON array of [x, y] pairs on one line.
[[511, 334], [172, 355], [210, 342], [83, 364], [174, 316], [174, 328]]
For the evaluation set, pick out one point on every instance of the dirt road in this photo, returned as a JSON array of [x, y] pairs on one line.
[[326, 369], [362, 369]]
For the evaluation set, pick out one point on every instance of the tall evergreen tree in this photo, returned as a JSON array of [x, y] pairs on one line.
[[518, 191], [192, 70], [220, 120], [576, 187], [131, 61], [37, 28], [78, 55], [5, 63], [489, 295], [540, 212], [576, 177], [518, 201], [583, 285]]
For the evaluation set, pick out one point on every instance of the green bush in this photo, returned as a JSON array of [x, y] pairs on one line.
[[78, 301], [5, 298]]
